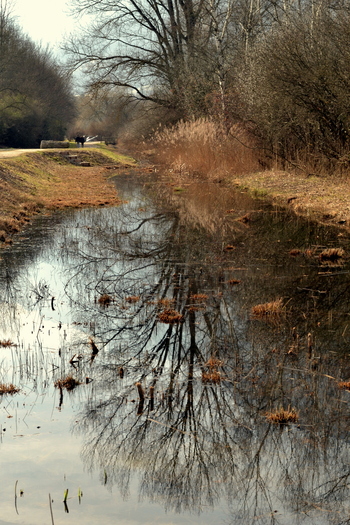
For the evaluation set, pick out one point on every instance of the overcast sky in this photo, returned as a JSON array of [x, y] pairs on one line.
[[44, 21]]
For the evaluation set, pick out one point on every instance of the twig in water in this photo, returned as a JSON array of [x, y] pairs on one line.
[[52, 521]]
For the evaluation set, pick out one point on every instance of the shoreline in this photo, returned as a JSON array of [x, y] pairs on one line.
[[39, 182]]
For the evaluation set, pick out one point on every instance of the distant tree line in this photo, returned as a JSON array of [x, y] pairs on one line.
[[280, 67], [35, 97]]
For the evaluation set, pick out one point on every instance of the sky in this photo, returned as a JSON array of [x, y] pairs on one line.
[[44, 21]]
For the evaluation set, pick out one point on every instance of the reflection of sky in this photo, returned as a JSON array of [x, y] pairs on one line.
[[37, 447]]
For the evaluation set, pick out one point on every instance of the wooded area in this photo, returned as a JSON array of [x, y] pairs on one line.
[[36, 101], [276, 67]]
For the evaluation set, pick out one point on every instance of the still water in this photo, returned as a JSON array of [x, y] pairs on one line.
[[185, 317]]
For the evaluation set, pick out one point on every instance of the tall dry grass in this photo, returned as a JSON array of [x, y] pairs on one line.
[[206, 148]]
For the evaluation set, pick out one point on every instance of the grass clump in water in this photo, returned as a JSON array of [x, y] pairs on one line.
[[332, 254], [8, 389], [170, 316], [132, 299], [282, 416], [105, 299], [6, 343], [272, 310], [69, 383], [211, 372], [344, 385]]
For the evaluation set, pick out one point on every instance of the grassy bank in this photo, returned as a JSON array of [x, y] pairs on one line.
[[33, 183]]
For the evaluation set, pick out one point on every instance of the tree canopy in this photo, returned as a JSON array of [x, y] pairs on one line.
[[35, 96]]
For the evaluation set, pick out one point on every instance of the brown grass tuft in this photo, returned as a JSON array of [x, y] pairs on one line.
[[211, 376], [6, 343], [105, 299], [345, 385], [273, 309], [8, 389], [199, 297], [332, 254], [210, 373], [132, 299], [69, 383], [164, 303], [282, 416], [170, 316]]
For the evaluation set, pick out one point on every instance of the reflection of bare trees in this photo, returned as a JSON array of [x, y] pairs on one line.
[[196, 431], [200, 434]]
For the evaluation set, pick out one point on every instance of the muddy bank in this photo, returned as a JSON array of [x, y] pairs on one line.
[[36, 182]]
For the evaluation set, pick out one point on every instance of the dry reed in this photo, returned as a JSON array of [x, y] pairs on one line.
[[205, 147], [282, 416], [132, 299], [6, 343], [69, 383], [8, 389], [332, 254], [105, 299], [271, 310], [170, 316]]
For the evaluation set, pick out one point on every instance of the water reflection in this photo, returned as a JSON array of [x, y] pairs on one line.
[[154, 299]]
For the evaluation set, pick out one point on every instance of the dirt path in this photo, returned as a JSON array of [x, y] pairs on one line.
[[6, 153]]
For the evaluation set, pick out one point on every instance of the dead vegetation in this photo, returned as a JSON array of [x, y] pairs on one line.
[[273, 310], [69, 383], [6, 343], [344, 385], [332, 254], [164, 302], [170, 316], [282, 416], [105, 300], [8, 389], [199, 297], [132, 298], [204, 147], [210, 372]]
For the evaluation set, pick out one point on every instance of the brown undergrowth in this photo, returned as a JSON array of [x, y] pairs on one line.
[[194, 149], [34, 182]]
